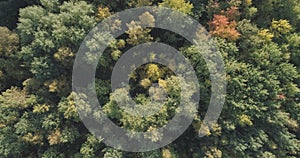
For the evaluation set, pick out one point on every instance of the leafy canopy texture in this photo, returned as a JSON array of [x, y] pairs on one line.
[[259, 42]]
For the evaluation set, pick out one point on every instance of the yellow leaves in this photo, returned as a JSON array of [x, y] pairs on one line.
[[235, 3], [60, 86], [166, 153], [266, 35], [153, 72], [54, 137], [121, 43], [137, 34], [103, 12], [68, 107], [292, 123], [71, 110], [162, 83], [281, 27], [16, 98], [115, 46], [2, 125], [213, 152], [204, 130], [64, 55], [214, 130], [244, 120], [179, 5], [52, 85], [154, 135], [147, 19], [145, 83], [116, 25], [171, 85], [248, 2], [116, 54], [34, 138], [41, 108]]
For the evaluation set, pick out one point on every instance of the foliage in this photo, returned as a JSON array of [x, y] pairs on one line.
[[259, 42], [9, 42], [222, 27], [266, 35], [281, 27], [179, 5], [103, 13], [9, 61], [276, 9]]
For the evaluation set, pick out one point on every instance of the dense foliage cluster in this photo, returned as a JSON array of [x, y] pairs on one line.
[[259, 42]]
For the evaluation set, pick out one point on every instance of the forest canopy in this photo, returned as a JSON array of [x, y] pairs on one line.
[[259, 42]]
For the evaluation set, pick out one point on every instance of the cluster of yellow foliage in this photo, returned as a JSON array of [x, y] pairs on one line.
[[244, 120], [137, 34], [116, 45], [68, 107], [34, 138], [248, 2], [179, 5], [277, 29], [166, 153], [266, 35], [60, 86], [281, 27], [103, 12], [41, 108], [213, 152], [54, 137]]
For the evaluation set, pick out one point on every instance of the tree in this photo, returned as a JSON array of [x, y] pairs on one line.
[[222, 27], [9, 62], [49, 34]]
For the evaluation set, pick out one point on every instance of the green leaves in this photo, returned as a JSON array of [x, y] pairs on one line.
[[259, 44], [112, 153], [90, 147], [8, 42], [49, 33], [68, 108]]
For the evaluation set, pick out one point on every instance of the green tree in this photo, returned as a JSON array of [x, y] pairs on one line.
[[11, 71]]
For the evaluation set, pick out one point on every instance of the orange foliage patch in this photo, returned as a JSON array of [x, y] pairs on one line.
[[222, 26]]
